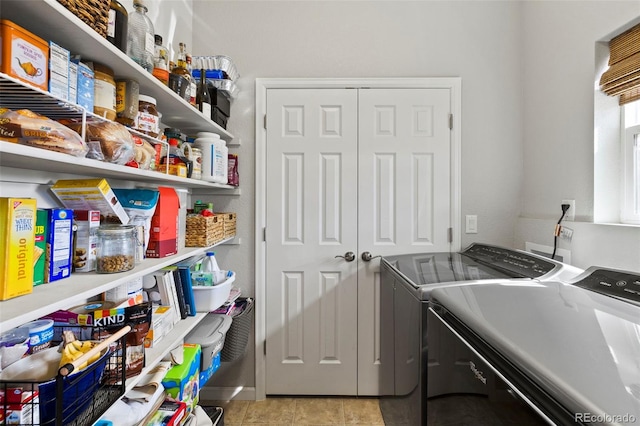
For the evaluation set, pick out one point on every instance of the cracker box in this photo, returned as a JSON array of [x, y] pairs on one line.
[[91, 194], [182, 382], [58, 71], [17, 245], [59, 245], [86, 240], [161, 325], [40, 249], [18, 406], [163, 239]]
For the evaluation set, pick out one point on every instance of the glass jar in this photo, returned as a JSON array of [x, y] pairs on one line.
[[148, 119], [116, 248], [104, 92], [127, 94]]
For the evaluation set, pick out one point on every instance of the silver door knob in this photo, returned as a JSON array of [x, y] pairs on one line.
[[348, 256], [366, 256]]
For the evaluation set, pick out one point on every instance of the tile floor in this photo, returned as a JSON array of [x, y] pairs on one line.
[[280, 411]]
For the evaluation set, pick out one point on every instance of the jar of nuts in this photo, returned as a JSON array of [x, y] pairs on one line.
[[116, 248]]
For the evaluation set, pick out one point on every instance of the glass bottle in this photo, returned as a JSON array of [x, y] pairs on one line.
[[117, 25], [194, 83], [140, 36], [203, 98], [161, 60], [181, 67]]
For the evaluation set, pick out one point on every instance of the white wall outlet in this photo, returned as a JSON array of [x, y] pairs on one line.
[[571, 213], [471, 224], [566, 233]]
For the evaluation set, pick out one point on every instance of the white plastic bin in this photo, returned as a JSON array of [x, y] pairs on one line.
[[210, 298]]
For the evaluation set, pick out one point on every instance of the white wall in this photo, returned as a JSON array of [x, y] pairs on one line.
[[559, 61], [527, 71], [476, 40]]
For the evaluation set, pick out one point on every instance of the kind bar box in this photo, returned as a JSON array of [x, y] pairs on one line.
[[86, 240], [17, 242], [163, 239], [39, 257], [59, 244], [91, 194]]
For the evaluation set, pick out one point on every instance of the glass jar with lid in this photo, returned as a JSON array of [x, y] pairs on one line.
[[104, 92], [116, 248]]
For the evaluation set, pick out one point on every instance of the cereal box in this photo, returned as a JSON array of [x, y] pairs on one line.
[[86, 240], [17, 242], [91, 194], [59, 245], [39, 258]]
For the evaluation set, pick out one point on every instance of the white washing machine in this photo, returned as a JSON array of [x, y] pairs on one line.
[[536, 353], [406, 284]]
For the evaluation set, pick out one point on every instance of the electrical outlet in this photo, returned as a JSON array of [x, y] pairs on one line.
[[566, 233], [471, 224], [571, 213]]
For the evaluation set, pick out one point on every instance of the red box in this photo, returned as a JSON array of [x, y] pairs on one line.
[[163, 239]]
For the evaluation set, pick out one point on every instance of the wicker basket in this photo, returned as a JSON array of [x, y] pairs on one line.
[[204, 231], [94, 13], [229, 223]]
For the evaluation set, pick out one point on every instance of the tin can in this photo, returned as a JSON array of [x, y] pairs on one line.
[[196, 158]]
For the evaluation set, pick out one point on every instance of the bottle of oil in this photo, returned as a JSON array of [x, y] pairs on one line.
[[181, 70]]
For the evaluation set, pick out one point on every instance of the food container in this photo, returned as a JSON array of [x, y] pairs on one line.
[[148, 119], [209, 334], [180, 85], [40, 335], [104, 92], [116, 248], [210, 298], [24, 55], [13, 345], [127, 93]]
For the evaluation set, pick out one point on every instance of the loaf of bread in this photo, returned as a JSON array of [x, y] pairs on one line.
[[29, 128], [108, 141]]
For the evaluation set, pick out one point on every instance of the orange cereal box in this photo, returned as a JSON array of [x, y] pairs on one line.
[[17, 245]]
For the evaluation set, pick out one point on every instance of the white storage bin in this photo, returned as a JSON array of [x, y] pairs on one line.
[[211, 298]]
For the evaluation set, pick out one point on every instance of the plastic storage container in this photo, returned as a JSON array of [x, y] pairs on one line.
[[210, 335], [210, 298], [214, 157]]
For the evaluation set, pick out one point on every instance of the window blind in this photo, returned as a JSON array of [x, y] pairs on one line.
[[622, 78]]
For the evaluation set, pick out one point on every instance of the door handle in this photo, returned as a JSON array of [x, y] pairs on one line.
[[366, 256], [348, 256]]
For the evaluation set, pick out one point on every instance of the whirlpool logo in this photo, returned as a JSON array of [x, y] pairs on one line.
[[477, 373]]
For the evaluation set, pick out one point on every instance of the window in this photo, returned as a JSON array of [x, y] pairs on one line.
[[631, 159]]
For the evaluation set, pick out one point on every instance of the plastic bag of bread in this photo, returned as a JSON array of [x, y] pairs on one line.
[[29, 128], [107, 141], [144, 154]]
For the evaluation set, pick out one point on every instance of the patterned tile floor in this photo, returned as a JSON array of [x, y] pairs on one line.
[[280, 411]]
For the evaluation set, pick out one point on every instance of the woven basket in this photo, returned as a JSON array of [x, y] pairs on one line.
[[204, 231], [229, 224], [94, 13], [237, 338]]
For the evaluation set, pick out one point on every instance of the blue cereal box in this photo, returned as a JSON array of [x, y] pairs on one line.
[[182, 382], [59, 245], [84, 87]]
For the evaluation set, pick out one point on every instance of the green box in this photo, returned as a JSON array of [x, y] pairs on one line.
[[39, 255], [182, 382]]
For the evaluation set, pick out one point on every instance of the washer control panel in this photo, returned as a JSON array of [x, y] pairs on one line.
[[515, 262], [616, 283]]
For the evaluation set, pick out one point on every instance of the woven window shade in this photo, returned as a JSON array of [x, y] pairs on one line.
[[623, 76]]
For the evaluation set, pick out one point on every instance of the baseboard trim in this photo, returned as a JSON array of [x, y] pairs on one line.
[[240, 393]]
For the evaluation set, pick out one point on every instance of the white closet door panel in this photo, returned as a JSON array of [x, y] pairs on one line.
[[311, 200]]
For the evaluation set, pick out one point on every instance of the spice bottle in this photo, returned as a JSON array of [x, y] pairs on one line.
[[161, 61]]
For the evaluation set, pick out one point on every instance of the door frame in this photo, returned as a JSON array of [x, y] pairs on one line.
[[264, 84]]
